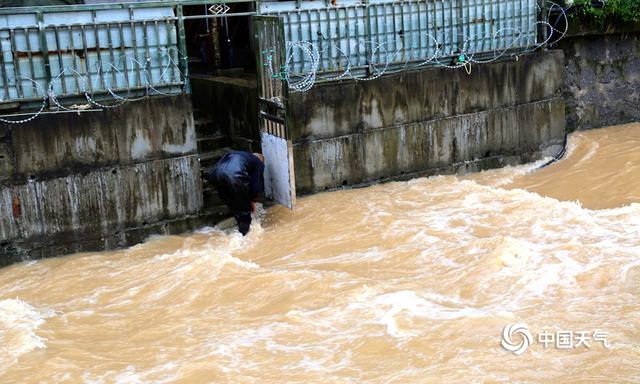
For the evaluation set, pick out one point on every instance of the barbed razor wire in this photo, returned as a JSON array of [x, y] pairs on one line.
[[110, 96], [383, 55]]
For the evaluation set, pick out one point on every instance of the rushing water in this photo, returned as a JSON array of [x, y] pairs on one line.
[[396, 283]]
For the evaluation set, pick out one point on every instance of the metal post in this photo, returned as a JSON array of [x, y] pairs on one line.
[[460, 27], [183, 60], [134, 43], [44, 49], [368, 38], [542, 28], [5, 78]]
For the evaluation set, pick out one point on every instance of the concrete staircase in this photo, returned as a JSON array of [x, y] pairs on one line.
[[212, 145]]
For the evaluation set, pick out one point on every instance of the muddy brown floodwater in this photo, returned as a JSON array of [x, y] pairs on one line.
[[405, 282]]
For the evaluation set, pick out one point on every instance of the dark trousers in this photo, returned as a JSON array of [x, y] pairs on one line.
[[235, 194]]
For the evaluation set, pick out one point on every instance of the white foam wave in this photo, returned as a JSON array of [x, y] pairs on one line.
[[393, 305], [224, 241], [18, 324], [593, 149], [506, 175]]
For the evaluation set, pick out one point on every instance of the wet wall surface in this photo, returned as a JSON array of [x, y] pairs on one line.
[[429, 121], [601, 79], [74, 182]]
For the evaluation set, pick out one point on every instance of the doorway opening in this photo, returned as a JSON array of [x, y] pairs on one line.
[[222, 77]]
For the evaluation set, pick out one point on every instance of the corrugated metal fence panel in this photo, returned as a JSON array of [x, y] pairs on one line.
[[93, 51], [353, 34]]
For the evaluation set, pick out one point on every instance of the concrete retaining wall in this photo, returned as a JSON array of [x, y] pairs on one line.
[[427, 121], [74, 182], [99, 180], [602, 79]]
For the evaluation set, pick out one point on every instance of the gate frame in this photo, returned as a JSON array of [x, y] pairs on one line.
[[273, 114]]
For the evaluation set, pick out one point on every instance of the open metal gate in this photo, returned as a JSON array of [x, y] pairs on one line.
[[279, 178]]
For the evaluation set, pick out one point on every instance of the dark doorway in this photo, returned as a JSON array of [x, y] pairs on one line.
[[220, 44]]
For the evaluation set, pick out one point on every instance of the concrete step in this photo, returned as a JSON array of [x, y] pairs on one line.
[[208, 159], [210, 143], [205, 126], [201, 120], [216, 213]]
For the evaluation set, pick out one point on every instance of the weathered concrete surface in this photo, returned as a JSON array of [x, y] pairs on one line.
[[55, 145], [413, 122], [98, 180], [103, 199], [103, 202], [602, 79], [330, 110], [44, 247], [528, 132]]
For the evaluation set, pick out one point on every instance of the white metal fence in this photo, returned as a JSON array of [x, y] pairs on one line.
[[70, 53], [364, 39]]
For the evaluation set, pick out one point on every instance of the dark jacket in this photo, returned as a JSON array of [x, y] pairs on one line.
[[238, 178]]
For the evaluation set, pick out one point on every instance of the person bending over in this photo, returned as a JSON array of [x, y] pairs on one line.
[[238, 178]]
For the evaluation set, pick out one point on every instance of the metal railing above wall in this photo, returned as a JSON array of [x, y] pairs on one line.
[[69, 53], [363, 39], [117, 51]]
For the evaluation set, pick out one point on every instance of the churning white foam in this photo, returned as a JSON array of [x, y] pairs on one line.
[[507, 175], [18, 324]]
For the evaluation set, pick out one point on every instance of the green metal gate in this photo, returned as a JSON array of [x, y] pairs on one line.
[[272, 109]]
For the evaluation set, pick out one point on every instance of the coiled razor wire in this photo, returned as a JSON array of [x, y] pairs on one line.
[[307, 81], [298, 82], [49, 95], [465, 57]]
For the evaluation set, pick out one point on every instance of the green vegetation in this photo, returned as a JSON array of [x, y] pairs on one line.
[[607, 13]]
